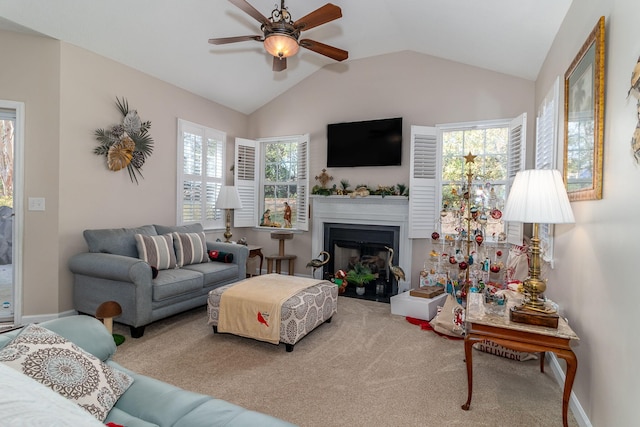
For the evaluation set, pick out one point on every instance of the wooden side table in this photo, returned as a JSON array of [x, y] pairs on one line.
[[281, 255], [520, 337], [253, 252]]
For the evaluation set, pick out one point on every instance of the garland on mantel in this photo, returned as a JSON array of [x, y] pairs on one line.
[[361, 190]]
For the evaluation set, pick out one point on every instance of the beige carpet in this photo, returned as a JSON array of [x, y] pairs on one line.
[[366, 368]]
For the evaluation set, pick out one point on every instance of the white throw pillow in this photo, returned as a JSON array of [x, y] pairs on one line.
[[26, 402], [67, 369]]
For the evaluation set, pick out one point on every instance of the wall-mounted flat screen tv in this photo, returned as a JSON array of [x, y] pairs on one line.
[[368, 143]]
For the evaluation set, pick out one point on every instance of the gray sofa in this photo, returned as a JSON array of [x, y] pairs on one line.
[[112, 271], [146, 403]]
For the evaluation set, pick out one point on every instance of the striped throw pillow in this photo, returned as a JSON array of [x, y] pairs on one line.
[[157, 251], [191, 248]]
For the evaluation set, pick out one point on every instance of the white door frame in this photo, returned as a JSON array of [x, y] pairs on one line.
[[18, 208]]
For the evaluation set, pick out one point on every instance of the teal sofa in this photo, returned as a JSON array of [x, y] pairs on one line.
[[112, 271], [147, 402]]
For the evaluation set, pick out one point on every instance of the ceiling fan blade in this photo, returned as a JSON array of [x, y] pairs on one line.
[[320, 16], [252, 11], [325, 49], [279, 64], [225, 40]]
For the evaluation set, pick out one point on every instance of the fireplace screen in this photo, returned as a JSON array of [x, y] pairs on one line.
[[352, 244]]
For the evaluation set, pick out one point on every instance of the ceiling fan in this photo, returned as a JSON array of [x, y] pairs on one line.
[[280, 33]]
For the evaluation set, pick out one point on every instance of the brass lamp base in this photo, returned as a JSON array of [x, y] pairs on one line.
[[227, 232], [524, 314]]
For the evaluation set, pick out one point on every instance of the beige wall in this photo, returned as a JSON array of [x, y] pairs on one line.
[[595, 279], [68, 93], [421, 89], [31, 74]]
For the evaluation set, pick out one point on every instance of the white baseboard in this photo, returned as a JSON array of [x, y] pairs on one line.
[[574, 404]]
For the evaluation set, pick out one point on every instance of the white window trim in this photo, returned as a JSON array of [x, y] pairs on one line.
[[546, 155], [249, 164], [425, 179], [207, 133]]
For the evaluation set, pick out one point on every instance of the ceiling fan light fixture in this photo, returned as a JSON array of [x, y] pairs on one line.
[[281, 45]]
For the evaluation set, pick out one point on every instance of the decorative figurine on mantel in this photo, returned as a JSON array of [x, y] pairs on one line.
[[324, 177]]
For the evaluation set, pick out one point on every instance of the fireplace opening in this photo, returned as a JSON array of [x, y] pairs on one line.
[[350, 244]]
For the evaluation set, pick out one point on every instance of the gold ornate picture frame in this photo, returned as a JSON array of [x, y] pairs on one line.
[[584, 119]]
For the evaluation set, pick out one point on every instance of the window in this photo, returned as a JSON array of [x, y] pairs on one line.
[[438, 174], [272, 180], [489, 183], [546, 137], [200, 174]]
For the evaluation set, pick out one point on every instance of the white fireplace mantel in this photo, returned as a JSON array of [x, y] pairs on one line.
[[370, 210]]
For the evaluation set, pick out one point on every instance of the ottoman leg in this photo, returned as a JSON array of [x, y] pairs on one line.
[[326, 321], [215, 329], [289, 347]]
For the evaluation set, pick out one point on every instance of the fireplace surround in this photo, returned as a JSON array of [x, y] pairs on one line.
[[389, 214]]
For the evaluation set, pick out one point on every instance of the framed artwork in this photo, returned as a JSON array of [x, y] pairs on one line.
[[584, 119]]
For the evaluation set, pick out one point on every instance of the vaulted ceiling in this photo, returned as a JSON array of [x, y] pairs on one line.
[[168, 39]]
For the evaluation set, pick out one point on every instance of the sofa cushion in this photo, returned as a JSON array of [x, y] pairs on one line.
[[190, 228], [118, 241], [172, 283], [26, 402], [157, 251], [215, 272], [191, 248], [61, 365]]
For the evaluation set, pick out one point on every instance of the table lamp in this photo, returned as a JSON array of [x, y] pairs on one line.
[[537, 196], [228, 199]]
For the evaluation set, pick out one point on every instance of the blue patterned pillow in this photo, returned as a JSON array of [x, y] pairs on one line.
[[67, 369]]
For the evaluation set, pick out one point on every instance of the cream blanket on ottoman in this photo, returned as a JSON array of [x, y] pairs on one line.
[[251, 308]]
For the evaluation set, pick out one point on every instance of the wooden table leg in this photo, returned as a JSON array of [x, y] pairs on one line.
[[468, 343], [572, 367], [541, 355], [261, 259]]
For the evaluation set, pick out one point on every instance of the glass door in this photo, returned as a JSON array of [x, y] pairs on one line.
[[7, 149]]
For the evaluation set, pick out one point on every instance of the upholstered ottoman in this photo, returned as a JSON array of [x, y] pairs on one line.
[[299, 314]]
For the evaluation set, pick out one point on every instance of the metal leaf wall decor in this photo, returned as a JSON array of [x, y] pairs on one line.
[[127, 144]]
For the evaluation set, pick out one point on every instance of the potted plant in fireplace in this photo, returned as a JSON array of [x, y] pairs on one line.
[[360, 276]]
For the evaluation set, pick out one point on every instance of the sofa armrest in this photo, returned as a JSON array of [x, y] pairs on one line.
[[86, 332], [240, 255], [111, 267]]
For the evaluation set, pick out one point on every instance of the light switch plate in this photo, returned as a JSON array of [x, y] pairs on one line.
[[36, 203]]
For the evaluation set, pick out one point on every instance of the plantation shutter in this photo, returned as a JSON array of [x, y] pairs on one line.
[[424, 181], [515, 163], [302, 220], [200, 174], [246, 181], [546, 137]]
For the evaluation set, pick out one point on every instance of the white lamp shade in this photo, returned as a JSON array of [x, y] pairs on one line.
[[538, 196], [228, 198]]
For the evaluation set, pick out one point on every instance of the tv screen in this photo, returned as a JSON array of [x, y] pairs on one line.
[[368, 143]]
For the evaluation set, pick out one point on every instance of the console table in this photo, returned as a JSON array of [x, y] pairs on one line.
[[520, 337]]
